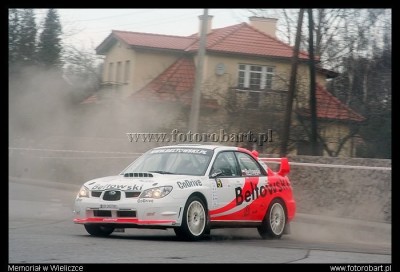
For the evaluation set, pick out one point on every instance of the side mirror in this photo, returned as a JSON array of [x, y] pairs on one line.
[[284, 168], [216, 173]]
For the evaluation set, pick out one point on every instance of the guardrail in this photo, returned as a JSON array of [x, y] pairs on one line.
[[277, 161]]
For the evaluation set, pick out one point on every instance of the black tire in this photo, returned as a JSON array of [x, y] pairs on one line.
[[274, 222], [194, 221], [98, 230], [179, 233]]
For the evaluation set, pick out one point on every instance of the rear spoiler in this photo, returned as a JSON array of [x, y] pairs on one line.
[[284, 164]]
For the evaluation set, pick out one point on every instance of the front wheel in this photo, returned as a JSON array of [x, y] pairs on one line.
[[273, 224], [194, 220], [98, 230]]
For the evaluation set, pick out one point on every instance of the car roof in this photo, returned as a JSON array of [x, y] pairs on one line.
[[204, 146]]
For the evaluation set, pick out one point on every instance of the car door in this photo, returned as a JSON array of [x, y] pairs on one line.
[[225, 177], [251, 197]]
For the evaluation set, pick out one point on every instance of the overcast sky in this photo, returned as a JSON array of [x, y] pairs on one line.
[[87, 28]]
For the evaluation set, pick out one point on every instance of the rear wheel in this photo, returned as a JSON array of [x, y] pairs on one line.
[[98, 230], [194, 220], [274, 222]]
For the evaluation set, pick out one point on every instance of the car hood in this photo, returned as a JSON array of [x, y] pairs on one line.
[[139, 183]]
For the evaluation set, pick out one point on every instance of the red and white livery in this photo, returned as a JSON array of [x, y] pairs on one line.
[[192, 189]]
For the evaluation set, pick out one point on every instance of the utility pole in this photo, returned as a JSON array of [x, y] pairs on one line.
[[292, 88], [196, 98]]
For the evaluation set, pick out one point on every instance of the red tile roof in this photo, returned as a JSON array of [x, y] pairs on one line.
[[240, 39], [175, 84], [329, 107], [154, 40], [245, 39]]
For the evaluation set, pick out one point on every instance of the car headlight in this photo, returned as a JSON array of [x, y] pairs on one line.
[[84, 192], [158, 192]]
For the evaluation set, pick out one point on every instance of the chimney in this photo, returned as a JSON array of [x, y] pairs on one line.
[[209, 23], [266, 25]]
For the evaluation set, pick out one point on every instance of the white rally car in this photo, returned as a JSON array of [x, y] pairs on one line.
[[192, 189]]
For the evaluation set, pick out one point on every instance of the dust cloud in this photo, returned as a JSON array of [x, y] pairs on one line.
[[54, 136]]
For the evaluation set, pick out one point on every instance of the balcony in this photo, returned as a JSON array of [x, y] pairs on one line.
[[270, 100]]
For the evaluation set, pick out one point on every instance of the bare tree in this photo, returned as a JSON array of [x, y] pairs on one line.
[[313, 98], [292, 87], [83, 69], [338, 32], [347, 41]]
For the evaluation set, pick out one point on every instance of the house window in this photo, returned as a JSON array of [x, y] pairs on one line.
[[127, 71], [255, 77], [110, 71], [118, 72]]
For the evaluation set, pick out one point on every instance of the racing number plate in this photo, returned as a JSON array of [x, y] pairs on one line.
[[108, 206]]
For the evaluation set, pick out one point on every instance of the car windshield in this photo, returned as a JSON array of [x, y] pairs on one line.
[[177, 161]]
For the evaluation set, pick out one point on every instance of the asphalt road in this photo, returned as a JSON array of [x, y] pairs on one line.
[[41, 231]]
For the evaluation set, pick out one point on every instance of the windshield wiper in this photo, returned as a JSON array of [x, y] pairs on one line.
[[161, 172]]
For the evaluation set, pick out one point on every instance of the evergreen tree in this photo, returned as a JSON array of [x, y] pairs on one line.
[[49, 48], [27, 41], [22, 31], [13, 35]]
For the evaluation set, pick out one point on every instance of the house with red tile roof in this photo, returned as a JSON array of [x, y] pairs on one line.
[[245, 62]]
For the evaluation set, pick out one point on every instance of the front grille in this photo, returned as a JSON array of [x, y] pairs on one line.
[[96, 193], [126, 213], [131, 194], [112, 195], [101, 213]]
